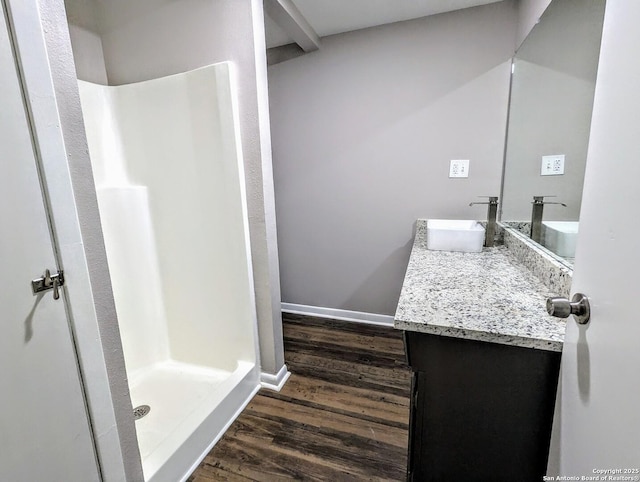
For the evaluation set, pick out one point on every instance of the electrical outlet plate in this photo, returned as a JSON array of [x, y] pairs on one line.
[[552, 165], [459, 168]]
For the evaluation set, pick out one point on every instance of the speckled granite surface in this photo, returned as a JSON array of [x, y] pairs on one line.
[[550, 268], [485, 296], [523, 226]]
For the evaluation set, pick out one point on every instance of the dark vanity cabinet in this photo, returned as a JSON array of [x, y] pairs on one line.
[[480, 411]]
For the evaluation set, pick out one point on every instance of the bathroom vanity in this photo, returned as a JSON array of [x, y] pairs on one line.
[[485, 357]]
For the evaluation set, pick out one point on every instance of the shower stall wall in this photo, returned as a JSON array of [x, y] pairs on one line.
[[168, 172]]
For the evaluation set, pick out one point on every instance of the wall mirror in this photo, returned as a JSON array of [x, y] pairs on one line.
[[552, 88]]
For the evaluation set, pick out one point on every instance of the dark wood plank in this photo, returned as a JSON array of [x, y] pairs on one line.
[[342, 416], [339, 352], [393, 380], [333, 397], [320, 335], [270, 407], [250, 460], [290, 319], [335, 449], [207, 472], [345, 354]]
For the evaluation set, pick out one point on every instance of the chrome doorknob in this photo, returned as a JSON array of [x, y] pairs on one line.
[[578, 307]]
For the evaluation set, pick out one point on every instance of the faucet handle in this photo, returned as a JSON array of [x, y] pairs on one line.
[[540, 200], [492, 200]]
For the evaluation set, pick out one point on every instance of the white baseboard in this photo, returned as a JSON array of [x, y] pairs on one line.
[[275, 382], [343, 315]]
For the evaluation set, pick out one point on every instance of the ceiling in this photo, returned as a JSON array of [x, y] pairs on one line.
[[328, 17]]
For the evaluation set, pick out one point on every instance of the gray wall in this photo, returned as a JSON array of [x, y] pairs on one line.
[[147, 39], [551, 103], [363, 131]]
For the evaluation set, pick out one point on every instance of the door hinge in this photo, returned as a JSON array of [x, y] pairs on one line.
[[49, 282]]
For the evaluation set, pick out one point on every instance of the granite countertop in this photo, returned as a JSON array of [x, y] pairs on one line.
[[487, 296]]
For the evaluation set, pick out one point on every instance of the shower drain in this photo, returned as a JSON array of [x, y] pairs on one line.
[[141, 411]]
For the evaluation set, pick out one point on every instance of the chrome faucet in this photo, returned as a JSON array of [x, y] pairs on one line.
[[536, 216], [492, 212]]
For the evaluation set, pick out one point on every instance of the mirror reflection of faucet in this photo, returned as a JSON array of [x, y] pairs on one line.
[[536, 216], [492, 212]]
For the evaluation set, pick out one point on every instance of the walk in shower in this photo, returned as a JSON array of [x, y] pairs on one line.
[[168, 172]]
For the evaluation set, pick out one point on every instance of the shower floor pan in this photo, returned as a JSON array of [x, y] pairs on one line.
[[191, 406]]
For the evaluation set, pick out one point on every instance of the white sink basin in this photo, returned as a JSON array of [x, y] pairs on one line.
[[455, 235], [561, 237]]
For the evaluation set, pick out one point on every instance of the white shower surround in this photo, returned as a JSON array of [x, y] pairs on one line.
[[168, 171]]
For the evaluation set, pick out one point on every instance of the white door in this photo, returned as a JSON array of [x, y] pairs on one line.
[[597, 424], [44, 428]]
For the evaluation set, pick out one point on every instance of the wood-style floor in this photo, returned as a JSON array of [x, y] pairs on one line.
[[342, 416]]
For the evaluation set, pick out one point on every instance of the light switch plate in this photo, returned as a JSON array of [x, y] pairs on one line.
[[552, 165], [459, 168]]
